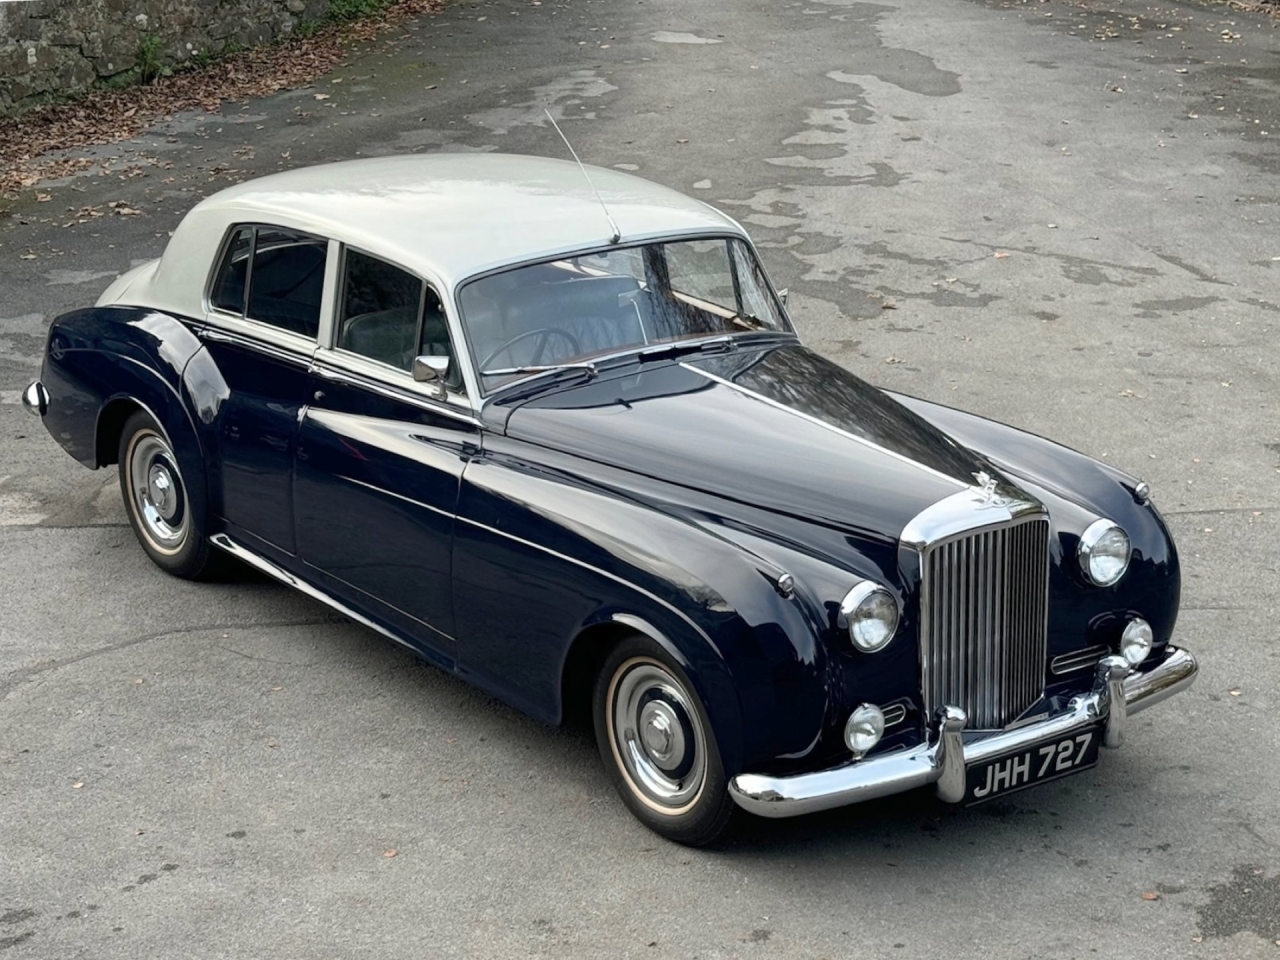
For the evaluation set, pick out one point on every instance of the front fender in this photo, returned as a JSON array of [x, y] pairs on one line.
[[548, 544], [1076, 488]]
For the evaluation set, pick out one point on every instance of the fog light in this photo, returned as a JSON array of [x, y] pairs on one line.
[[1135, 642], [864, 729]]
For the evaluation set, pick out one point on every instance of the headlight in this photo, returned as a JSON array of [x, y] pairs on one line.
[[1104, 552], [1135, 642], [871, 615]]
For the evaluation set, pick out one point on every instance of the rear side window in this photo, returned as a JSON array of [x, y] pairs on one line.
[[284, 274]]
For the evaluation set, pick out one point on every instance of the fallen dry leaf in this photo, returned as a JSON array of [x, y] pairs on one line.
[[28, 142]]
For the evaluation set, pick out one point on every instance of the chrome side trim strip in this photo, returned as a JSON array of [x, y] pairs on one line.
[[261, 563], [279, 344], [769, 401], [388, 493], [1116, 693], [403, 395]]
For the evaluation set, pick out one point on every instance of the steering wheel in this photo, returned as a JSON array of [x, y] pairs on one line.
[[543, 336]]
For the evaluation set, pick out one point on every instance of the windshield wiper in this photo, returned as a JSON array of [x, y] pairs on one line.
[[586, 366], [712, 345]]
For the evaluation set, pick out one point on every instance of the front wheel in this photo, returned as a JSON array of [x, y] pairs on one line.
[[657, 745], [155, 497]]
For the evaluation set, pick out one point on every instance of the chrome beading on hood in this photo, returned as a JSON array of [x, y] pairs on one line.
[[988, 502]]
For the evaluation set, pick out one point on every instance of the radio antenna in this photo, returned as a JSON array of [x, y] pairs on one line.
[[617, 234]]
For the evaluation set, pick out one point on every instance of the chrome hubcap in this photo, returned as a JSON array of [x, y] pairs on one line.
[[160, 489], [657, 736], [157, 493]]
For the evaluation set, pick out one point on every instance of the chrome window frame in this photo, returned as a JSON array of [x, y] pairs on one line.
[[399, 382], [297, 346], [472, 375]]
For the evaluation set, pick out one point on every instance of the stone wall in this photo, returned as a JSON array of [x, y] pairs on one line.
[[51, 48]]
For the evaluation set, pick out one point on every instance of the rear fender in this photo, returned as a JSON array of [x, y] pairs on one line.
[[100, 362]]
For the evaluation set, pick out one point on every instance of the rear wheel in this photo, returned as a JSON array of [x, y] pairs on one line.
[[657, 744], [155, 497]]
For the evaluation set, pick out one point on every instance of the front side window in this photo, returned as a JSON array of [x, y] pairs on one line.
[[577, 308], [389, 315], [273, 276]]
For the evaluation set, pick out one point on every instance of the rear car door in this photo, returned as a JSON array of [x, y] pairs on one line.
[[380, 456], [261, 327]]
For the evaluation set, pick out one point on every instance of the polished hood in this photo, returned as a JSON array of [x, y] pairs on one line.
[[778, 427]]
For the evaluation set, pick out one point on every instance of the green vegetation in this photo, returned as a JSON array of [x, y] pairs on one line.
[[342, 10], [150, 65]]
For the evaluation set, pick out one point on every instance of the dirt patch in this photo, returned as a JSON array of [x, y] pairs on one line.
[[1248, 902], [30, 144]]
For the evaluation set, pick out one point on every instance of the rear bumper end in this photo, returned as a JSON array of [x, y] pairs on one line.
[[1116, 693], [36, 399]]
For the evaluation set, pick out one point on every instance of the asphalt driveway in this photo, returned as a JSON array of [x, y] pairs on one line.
[[1046, 213]]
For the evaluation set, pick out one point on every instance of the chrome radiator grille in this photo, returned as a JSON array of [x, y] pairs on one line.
[[983, 621]]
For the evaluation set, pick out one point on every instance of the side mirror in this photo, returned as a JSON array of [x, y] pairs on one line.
[[782, 295], [432, 370]]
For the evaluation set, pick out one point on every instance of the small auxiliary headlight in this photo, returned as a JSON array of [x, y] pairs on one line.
[[870, 614], [1104, 552], [1135, 642], [864, 729]]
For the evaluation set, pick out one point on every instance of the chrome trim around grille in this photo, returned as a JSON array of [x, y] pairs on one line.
[[983, 603]]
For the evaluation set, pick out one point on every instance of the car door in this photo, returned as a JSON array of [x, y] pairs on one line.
[[380, 456], [260, 330]]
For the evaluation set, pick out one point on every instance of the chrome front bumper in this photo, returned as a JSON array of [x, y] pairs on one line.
[[36, 399], [1116, 693]]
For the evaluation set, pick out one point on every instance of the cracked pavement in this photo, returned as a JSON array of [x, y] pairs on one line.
[[1061, 215]]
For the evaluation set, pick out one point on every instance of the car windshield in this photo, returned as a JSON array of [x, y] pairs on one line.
[[564, 312]]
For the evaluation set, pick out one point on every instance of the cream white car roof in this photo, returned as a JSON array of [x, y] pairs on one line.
[[445, 216]]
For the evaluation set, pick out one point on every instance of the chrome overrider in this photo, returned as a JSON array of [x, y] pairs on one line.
[[36, 399], [1117, 692]]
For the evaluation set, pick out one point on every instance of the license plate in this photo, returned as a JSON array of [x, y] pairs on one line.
[[1035, 764]]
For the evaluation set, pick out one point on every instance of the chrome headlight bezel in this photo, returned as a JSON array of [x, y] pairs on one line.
[[868, 604], [1097, 547]]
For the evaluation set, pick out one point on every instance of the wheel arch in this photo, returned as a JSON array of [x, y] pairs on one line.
[[705, 672]]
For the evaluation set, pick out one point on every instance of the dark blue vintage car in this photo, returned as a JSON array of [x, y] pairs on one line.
[[559, 438]]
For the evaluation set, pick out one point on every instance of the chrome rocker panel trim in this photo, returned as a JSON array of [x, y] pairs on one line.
[[263, 565], [1116, 693]]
